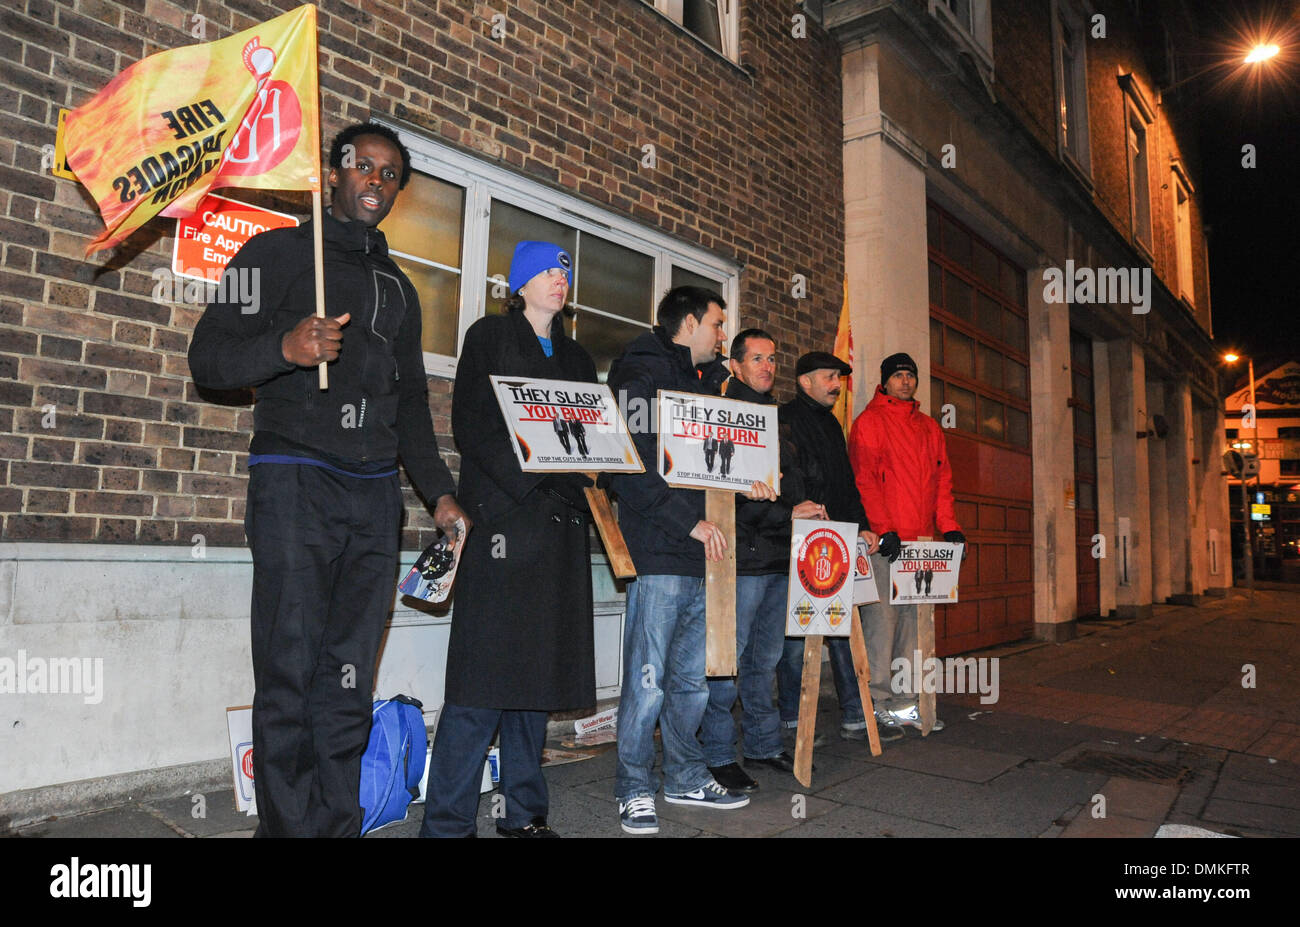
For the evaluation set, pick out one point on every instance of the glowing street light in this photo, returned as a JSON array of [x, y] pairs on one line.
[[1261, 53]]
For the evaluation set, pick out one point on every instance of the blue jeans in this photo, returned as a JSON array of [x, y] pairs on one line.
[[663, 681], [789, 677], [760, 633]]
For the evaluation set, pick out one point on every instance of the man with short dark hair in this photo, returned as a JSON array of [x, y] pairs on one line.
[[324, 502], [663, 636], [900, 461], [823, 460], [762, 565]]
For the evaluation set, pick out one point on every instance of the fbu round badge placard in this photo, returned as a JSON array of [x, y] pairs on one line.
[[823, 563]]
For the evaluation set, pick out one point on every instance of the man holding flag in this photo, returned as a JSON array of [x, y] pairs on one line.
[[324, 504]]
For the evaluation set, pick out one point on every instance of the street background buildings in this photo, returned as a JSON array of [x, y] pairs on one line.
[[938, 156]]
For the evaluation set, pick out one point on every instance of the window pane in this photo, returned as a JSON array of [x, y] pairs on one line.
[[439, 292], [1013, 330], [958, 294], [931, 225], [956, 242], [936, 343], [1017, 427], [1082, 387], [1016, 378], [511, 225], [701, 18], [936, 284], [936, 397], [1085, 463], [959, 353], [1007, 281], [988, 316], [991, 418], [986, 263], [1083, 424], [1081, 353], [615, 279], [603, 338], [427, 219], [990, 366], [1085, 496], [964, 402], [684, 277]]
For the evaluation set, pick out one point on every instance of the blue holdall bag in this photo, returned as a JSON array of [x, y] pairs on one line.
[[393, 764]]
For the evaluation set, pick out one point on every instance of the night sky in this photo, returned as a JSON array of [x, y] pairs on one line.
[[1252, 214]]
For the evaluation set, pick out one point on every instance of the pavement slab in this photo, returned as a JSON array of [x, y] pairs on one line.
[[123, 821], [850, 821]]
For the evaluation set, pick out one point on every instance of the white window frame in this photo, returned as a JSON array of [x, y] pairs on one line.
[[1137, 107], [728, 23], [1181, 185], [1075, 151], [977, 35], [485, 182]]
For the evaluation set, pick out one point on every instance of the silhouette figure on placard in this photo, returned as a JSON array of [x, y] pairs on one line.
[[929, 578], [917, 578], [579, 432], [726, 448], [710, 452], [562, 432]]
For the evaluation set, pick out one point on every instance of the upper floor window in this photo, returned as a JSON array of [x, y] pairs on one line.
[[454, 228], [971, 18], [1138, 115], [716, 23], [1182, 195], [1072, 85]]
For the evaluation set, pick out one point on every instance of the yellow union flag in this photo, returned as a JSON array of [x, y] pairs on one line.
[[843, 409], [239, 112]]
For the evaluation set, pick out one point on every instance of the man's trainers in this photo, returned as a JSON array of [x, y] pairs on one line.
[[911, 717], [709, 795], [637, 815], [886, 731]]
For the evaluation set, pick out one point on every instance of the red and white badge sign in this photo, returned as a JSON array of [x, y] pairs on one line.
[[208, 240], [820, 595]]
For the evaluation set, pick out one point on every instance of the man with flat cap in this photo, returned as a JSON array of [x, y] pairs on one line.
[[900, 463], [808, 423]]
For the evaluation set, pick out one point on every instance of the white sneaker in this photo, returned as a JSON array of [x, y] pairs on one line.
[[911, 717], [709, 795]]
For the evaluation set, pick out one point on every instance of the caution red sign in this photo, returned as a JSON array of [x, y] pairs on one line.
[[208, 240]]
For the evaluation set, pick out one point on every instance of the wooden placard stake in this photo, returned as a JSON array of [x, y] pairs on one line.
[[620, 560], [862, 671], [318, 253], [808, 692], [720, 588], [925, 646]]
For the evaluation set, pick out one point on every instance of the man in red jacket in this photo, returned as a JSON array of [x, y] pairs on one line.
[[900, 463]]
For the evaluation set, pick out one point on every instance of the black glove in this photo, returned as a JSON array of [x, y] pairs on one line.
[[568, 488], [956, 537], [890, 545]]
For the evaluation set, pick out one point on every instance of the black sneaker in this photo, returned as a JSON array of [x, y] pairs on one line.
[[537, 828]]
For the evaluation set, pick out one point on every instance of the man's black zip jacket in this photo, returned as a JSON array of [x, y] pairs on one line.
[[376, 408], [822, 458]]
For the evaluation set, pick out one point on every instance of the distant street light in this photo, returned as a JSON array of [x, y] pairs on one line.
[[1232, 358], [1261, 53]]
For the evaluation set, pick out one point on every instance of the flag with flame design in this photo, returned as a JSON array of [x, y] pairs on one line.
[[242, 111]]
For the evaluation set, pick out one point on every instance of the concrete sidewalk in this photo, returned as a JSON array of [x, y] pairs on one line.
[[1150, 715]]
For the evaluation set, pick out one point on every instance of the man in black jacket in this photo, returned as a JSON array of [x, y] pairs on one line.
[[762, 566], [663, 635], [324, 503], [823, 461]]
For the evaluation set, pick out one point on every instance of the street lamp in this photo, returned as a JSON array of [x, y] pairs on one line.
[[1232, 358], [1259, 53]]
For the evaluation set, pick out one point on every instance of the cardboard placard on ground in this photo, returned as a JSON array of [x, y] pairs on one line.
[[709, 442], [820, 591], [925, 572], [562, 426], [239, 724]]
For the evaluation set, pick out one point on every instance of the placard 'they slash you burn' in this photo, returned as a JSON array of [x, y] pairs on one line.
[[708, 442], [558, 425]]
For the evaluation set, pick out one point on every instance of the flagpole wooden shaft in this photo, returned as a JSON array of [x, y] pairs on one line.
[[318, 254], [925, 647], [720, 588]]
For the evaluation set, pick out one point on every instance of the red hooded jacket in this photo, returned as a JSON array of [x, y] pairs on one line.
[[900, 463]]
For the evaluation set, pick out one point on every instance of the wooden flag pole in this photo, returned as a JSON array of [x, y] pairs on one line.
[[720, 588], [318, 253]]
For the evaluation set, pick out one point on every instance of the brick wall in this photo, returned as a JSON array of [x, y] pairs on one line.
[[104, 437]]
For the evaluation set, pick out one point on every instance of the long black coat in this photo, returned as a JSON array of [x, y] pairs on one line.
[[521, 631]]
